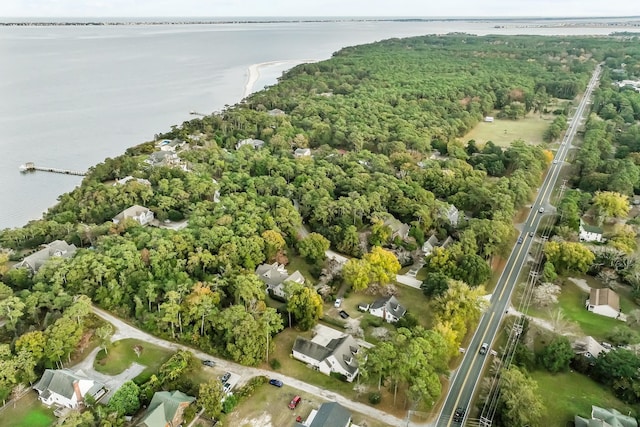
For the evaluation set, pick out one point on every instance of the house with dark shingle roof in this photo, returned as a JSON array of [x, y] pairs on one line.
[[166, 409], [387, 308], [66, 388], [275, 275], [601, 417], [338, 355], [57, 248], [330, 414], [604, 302]]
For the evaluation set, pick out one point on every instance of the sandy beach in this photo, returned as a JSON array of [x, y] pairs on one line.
[[254, 71]]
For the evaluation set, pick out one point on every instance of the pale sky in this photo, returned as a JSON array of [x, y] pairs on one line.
[[274, 8]]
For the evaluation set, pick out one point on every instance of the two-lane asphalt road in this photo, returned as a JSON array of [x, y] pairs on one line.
[[468, 375]]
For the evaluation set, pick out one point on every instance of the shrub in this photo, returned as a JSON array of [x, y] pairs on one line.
[[275, 364], [229, 403], [375, 397]]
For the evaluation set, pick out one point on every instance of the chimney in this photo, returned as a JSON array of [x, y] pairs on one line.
[[76, 389]]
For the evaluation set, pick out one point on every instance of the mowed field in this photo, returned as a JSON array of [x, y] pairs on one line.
[[503, 132]]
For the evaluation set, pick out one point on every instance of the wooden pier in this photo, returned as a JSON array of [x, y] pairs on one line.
[[31, 167], [195, 113]]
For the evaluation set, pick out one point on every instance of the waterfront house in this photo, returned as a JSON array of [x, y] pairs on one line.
[[173, 145], [274, 277], [129, 178], [66, 388], [604, 302], [166, 409], [57, 248], [329, 354], [387, 308], [140, 214], [163, 158]]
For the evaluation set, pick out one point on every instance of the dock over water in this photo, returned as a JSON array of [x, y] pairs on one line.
[[31, 167]]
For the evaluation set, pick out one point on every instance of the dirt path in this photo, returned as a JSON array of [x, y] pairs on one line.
[[124, 330]]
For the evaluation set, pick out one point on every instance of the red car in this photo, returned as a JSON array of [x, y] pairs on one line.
[[294, 402]]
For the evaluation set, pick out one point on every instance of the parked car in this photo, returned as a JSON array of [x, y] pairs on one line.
[[275, 382], [209, 363], [225, 377], [483, 348], [226, 388], [294, 402], [344, 314], [337, 303]]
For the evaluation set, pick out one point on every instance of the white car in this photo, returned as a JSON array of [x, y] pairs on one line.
[[337, 303]]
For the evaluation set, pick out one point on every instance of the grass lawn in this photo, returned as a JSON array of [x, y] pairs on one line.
[[121, 356], [267, 407], [28, 412], [570, 393], [571, 301], [503, 132]]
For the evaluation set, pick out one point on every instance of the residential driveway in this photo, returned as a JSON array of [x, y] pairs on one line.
[[408, 280], [112, 382], [124, 330]]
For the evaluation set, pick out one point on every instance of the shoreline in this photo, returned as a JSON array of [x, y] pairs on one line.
[[253, 73]]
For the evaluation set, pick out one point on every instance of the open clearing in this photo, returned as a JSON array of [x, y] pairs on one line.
[[503, 131], [28, 412]]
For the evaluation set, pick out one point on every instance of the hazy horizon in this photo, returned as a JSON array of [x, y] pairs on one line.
[[319, 8]]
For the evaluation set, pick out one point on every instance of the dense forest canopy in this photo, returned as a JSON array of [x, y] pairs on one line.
[[373, 115]]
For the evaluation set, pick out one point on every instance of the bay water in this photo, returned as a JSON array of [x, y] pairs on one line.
[[70, 96]]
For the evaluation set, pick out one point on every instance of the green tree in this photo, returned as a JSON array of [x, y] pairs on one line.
[[210, 398], [126, 399], [569, 256], [557, 355], [273, 243], [519, 403], [435, 284], [356, 273], [304, 303], [313, 247], [383, 265], [104, 334]]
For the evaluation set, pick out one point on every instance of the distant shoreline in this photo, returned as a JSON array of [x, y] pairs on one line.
[[254, 72], [107, 21]]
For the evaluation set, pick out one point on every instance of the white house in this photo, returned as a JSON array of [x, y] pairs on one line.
[[137, 213], [302, 152], [429, 244], [387, 308], [275, 275], [488, 119], [453, 215], [398, 229], [337, 355], [65, 388], [174, 145], [589, 347], [604, 302], [57, 248], [255, 143], [590, 233]]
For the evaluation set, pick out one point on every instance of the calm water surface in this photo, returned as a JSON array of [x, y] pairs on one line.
[[71, 96]]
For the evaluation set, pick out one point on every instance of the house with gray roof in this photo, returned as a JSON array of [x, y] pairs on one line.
[[57, 248], [589, 233], [255, 143], [171, 145], [302, 152], [162, 158], [66, 388], [387, 308], [604, 302], [140, 214], [589, 347], [276, 112], [166, 409], [123, 181], [336, 355], [275, 275], [429, 244], [398, 228], [330, 414], [601, 417]]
